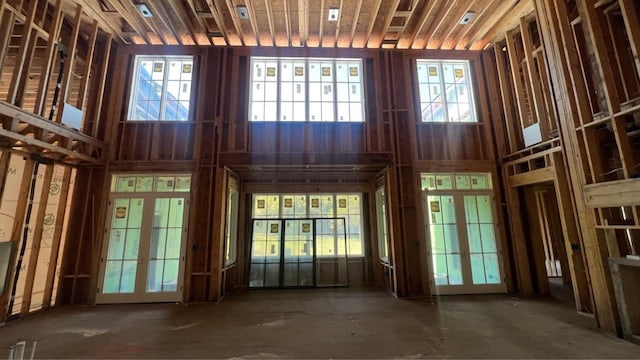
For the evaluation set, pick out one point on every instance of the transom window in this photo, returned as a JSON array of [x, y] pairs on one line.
[[445, 91], [303, 89], [347, 206], [161, 88]]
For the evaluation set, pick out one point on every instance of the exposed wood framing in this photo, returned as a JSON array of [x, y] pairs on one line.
[[50, 57], [554, 27], [572, 238], [612, 194], [57, 238], [69, 64], [522, 95], [632, 25], [84, 77], [534, 80], [36, 240], [16, 234], [23, 60]]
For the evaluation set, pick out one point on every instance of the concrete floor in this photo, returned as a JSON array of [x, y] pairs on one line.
[[321, 323]]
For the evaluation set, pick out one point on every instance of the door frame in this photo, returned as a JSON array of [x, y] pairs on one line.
[[463, 243], [139, 294], [314, 264]]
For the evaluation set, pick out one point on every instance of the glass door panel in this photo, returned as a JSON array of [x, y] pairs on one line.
[[265, 253], [166, 241], [445, 248], [331, 259], [483, 252], [124, 241], [298, 253]]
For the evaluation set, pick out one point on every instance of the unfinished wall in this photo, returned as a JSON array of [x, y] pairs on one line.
[[568, 79], [41, 149]]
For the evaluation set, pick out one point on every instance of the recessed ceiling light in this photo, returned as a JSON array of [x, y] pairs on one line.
[[144, 10], [467, 17], [333, 14], [242, 12]]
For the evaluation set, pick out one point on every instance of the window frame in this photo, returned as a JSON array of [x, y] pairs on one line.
[[231, 231], [382, 226], [309, 215], [335, 101], [135, 85], [469, 84]]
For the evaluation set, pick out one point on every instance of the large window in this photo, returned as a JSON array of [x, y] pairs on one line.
[[347, 206], [445, 91], [302, 89], [161, 88]]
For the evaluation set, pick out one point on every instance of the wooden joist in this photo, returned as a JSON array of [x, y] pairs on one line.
[[89, 149], [532, 177], [613, 194]]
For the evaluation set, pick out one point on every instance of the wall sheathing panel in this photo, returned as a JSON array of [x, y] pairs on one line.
[[32, 204]]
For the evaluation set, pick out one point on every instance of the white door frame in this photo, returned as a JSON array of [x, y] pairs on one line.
[[140, 294], [463, 242]]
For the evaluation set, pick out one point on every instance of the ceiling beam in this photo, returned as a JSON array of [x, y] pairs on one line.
[[458, 30], [480, 22], [429, 23], [303, 21]]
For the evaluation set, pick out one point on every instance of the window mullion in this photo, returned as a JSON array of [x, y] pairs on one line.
[[136, 85], [307, 107], [443, 88], [278, 97], [163, 94], [335, 92]]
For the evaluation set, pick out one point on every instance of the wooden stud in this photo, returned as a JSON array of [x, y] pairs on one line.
[[7, 19], [534, 80], [592, 27], [26, 44], [632, 25], [5, 157], [50, 56], [84, 203], [520, 90], [69, 64], [555, 30], [510, 122], [100, 86], [57, 237], [541, 61], [572, 239], [519, 247], [16, 234], [84, 77], [38, 219]]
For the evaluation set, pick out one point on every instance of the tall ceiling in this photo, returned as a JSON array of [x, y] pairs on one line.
[[403, 24]]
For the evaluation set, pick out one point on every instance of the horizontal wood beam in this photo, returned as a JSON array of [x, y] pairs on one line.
[[532, 177], [306, 159], [13, 111], [612, 194]]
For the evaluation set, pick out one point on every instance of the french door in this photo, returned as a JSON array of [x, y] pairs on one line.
[[143, 256], [464, 253], [291, 253]]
